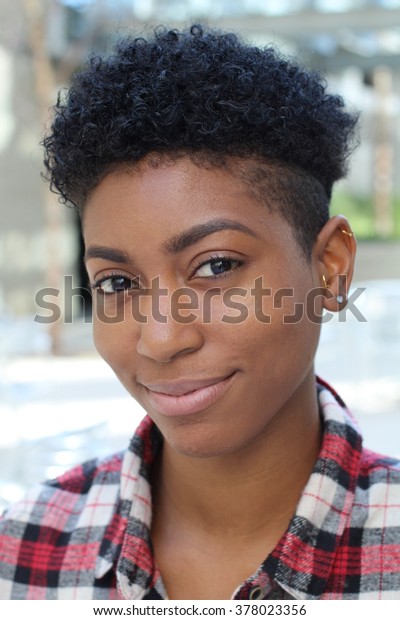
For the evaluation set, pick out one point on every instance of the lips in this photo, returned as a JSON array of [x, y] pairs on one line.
[[186, 397]]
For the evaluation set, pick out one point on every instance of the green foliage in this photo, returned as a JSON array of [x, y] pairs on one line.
[[360, 212]]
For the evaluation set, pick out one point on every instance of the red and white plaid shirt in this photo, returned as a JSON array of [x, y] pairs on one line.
[[86, 535]]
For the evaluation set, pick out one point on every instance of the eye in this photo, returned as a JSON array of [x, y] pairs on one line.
[[115, 284], [217, 266]]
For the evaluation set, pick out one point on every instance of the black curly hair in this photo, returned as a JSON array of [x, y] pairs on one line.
[[210, 96]]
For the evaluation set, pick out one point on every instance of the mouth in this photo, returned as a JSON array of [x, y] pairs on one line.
[[186, 397]]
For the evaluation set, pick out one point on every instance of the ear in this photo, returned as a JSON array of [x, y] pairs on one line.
[[334, 253]]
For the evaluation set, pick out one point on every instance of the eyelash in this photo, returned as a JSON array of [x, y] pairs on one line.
[[214, 259], [96, 286]]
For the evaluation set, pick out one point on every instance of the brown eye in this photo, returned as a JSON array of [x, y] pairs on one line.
[[216, 267], [115, 284]]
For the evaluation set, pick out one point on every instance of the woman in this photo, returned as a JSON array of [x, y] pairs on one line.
[[202, 169]]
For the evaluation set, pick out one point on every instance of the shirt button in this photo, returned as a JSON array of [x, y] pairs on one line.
[[256, 593]]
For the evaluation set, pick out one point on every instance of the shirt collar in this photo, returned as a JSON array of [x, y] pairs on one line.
[[126, 545], [301, 561]]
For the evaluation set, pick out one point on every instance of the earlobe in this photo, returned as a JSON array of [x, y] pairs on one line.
[[334, 253]]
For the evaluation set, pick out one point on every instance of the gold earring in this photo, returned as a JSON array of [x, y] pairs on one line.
[[346, 232], [325, 283]]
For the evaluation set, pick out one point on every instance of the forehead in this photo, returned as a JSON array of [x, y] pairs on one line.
[[146, 205], [181, 172], [169, 190]]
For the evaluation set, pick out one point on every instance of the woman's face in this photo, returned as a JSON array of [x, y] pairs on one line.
[[199, 303]]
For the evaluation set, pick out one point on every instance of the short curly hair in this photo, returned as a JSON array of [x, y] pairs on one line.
[[208, 95]]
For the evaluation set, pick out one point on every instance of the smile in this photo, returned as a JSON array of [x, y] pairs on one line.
[[187, 397]]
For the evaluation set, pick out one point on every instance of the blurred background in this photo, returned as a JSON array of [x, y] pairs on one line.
[[59, 403]]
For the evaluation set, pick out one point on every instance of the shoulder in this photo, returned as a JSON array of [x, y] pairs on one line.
[[378, 490], [370, 547], [57, 502], [57, 522], [376, 465], [379, 473]]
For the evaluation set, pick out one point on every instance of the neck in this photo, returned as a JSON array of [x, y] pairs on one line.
[[229, 496]]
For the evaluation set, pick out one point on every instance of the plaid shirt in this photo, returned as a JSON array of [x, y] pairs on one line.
[[86, 535]]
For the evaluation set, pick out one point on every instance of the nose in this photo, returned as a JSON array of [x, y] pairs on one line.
[[167, 333]]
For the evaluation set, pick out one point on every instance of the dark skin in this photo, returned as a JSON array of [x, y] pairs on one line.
[[231, 473]]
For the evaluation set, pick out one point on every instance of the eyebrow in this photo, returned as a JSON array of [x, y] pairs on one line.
[[176, 244], [110, 254], [180, 242]]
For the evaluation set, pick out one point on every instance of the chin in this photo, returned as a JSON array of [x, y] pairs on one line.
[[201, 440]]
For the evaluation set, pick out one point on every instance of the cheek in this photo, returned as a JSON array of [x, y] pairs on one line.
[[112, 335], [105, 341], [273, 332]]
